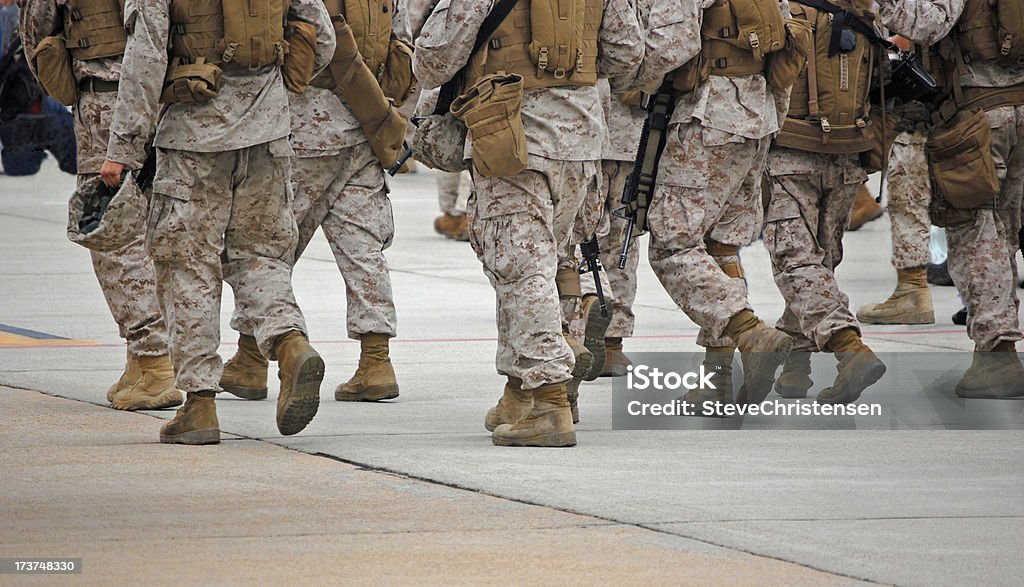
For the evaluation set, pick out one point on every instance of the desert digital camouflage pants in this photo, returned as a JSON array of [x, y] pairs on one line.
[[452, 192], [709, 191], [910, 191], [222, 217], [983, 246], [126, 276], [611, 233], [811, 199], [521, 229]]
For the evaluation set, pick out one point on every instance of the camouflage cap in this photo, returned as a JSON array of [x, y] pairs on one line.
[[102, 219]]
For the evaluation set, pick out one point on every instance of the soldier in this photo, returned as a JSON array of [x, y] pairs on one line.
[[521, 226], [220, 208], [815, 173], [910, 191], [338, 186], [983, 70], [707, 203], [624, 121], [452, 196], [126, 276]]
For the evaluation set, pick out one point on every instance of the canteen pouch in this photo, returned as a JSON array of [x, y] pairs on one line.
[[300, 59], [198, 82], [397, 80], [492, 111], [52, 65], [784, 67], [960, 161]]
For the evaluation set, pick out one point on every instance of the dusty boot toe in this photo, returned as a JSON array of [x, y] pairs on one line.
[[857, 371], [154, 390], [245, 374], [195, 422]]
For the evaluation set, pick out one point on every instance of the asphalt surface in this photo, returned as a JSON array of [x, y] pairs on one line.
[[413, 491]]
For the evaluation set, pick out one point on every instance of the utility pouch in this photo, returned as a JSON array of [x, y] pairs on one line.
[[300, 59], [960, 161], [557, 30], [397, 81], [52, 64], [492, 110], [634, 98], [198, 82], [783, 67], [689, 77], [875, 159]]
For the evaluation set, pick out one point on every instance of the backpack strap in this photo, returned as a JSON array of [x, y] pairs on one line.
[[449, 91]]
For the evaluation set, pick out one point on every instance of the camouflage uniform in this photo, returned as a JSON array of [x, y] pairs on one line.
[[709, 180], [521, 226], [910, 190], [811, 198], [979, 246], [126, 276], [339, 186], [452, 192], [221, 206]]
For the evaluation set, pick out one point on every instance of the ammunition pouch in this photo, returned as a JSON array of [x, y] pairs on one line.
[[52, 65], [691, 76], [196, 82], [357, 86], [960, 161], [784, 66], [301, 58], [94, 29], [234, 34], [397, 80], [492, 112]]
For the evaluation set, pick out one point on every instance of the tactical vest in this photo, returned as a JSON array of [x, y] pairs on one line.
[[94, 29], [992, 29], [370, 21], [736, 35], [234, 34], [549, 42], [829, 106]]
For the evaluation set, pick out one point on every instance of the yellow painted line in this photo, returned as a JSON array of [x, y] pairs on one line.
[[16, 341]]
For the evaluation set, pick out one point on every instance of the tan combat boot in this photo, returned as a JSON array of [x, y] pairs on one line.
[[514, 405], [858, 368], [583, 359], [762, 349], [865, 209], [245, 374], [374, 379], [129, 376], [616, 363], [453, 227], [195, 422], [595, 324], [997, 374], [572, 394], [301, 370], [795, 380], [154, 390], [549, 423], [911, 303], [717, 360]]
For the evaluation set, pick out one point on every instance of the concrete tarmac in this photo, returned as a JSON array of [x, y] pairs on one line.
[[412, 491]]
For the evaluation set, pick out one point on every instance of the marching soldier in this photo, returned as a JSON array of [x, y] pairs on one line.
[[221, 199], [521, 217], [96, 39]]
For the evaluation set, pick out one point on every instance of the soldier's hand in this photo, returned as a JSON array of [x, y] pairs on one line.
[[111, 173], [902, 42]]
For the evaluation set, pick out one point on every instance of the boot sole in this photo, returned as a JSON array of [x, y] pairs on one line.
[[756, 390], [791, 392], [1008, 391], [911, 318], [249, 393], [584, 363], [168, 399], [615, 370], [297, 410], [855, 388], [593, 337], [553, 440], [370, 394], [193, 437]]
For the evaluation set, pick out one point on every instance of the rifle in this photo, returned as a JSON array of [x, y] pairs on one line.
[[636, 197], [591, 251]]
